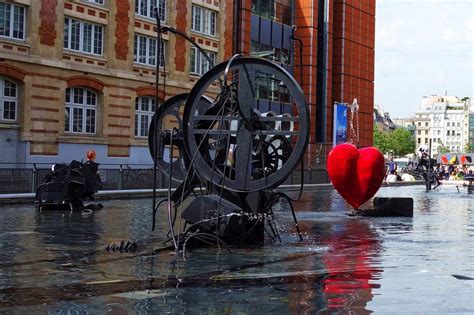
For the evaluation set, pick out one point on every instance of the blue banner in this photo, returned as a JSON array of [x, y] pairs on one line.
[[340, 124]]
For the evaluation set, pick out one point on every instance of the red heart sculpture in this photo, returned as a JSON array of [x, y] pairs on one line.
[[356, 174]]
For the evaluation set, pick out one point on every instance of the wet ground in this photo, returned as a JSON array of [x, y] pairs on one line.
[[56, 262]]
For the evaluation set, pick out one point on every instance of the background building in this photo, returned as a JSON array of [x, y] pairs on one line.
[[442, 120], [79, 74], [382, 120], [407, 123], [331, 54]]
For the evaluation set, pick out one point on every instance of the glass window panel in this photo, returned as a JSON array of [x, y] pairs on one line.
[[66, 33], [10, 89], [83, 116], [213, 24], [87, 38], [18, 21], [162, 53], [144, 126], [98, 39], [142, 51], [151, 51], [162, 10], [90, 121], [67, 118], [136, 124], [5, 19], [9, 109], [193, 60], [196, 18], [135, 49], [77, 117], [143, 7]]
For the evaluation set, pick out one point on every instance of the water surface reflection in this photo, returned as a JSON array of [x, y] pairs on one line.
[[55, 262]]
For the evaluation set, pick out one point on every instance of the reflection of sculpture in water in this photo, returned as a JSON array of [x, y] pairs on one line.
[[344, 283], [347, 285]]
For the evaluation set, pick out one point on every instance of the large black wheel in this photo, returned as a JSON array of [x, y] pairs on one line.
[[232, 145], [169, 129]]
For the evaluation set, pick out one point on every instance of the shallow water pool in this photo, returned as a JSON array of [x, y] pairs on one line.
[[56, 263]]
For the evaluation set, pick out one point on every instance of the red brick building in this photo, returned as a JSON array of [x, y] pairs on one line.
[[80, 73], [338, 41]]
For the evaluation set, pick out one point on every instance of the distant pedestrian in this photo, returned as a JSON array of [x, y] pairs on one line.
[[392, 166], [391, 178]]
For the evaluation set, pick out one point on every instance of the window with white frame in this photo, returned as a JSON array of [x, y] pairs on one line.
[[81, 111], [199, 63], [144, 111], [8, 99], [83, 36], [146, 8], [203, 20], [96, 1], [144, 51], [12, 21]]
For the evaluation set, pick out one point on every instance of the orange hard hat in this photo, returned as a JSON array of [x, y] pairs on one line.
[[91, 155]]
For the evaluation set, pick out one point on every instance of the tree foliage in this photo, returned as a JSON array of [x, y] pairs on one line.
[[468, 147], [380, 140], [398, 142], [442, 149]]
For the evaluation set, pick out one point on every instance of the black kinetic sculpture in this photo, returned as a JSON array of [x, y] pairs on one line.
[[237, 136]]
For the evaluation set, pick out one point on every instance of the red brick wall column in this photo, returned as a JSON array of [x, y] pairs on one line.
[[121, 29], [228, 32], [180, 47], [47, 29]]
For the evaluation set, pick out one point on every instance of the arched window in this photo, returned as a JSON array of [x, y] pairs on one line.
[[81, 111], [144, 110], [8, 99]]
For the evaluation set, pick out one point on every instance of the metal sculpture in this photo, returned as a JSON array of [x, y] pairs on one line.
[[68, 185], [220, 140]]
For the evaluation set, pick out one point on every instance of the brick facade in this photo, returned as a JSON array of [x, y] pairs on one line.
[[121, 33], [47, 29], [43, 70]]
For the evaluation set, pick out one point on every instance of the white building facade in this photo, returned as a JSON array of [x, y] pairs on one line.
[[442, 121]]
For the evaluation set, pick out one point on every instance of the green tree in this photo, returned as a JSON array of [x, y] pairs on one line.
[[380, 140], [443, 149], [468, 147], [401, 142], [398, 142]]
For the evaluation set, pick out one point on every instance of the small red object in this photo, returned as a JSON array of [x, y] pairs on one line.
[[91, 155], [444, 159], [356, 174]]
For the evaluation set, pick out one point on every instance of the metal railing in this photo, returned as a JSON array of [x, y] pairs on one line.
[[26, 177]]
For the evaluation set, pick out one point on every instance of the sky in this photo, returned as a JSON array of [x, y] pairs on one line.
[[422, 48]]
